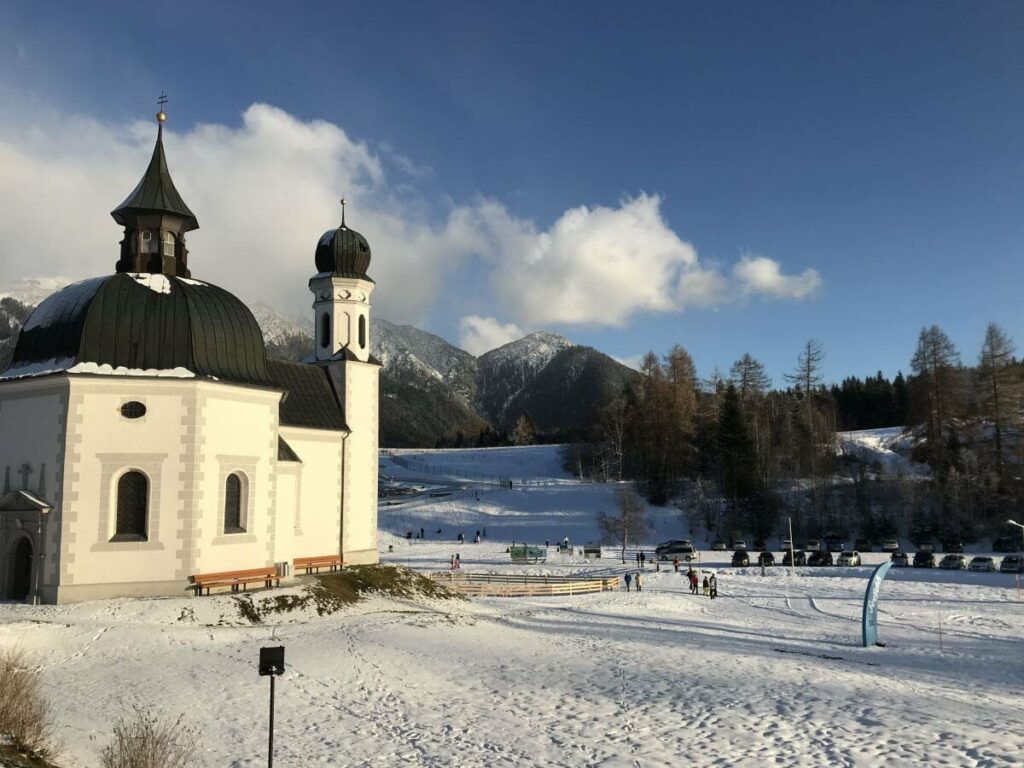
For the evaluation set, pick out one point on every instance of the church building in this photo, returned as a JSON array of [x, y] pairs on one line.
[[145, 437]]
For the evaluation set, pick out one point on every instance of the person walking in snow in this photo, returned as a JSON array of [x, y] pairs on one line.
[[643, 559], [458, 561], [637, 558], [713, 583], [629, 579], [675, 564], [639, 581], [707, 587], [451, 563]]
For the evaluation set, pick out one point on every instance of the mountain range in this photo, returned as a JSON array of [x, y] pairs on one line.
[[432, 392]]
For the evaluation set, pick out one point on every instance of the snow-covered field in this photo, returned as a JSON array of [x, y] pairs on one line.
[[771, 673]]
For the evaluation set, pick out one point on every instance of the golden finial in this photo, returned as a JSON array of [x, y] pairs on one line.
[[161, 116]]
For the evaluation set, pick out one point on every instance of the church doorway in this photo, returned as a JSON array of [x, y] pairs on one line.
[[19, 581]]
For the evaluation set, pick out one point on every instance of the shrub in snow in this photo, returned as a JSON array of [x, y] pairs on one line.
[[24, 713], [145, 740]]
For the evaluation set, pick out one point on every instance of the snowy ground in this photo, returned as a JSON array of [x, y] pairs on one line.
[[770, 673]]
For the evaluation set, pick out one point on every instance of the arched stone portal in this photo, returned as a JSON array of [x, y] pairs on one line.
[[19, 580]]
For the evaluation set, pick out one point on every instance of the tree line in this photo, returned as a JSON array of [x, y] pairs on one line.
[[738, 453]]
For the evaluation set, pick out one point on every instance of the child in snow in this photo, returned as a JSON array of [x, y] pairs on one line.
[[629, 578], [707, 587], [714, 586]]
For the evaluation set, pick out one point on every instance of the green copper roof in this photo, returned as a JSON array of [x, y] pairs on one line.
[[156, 192]]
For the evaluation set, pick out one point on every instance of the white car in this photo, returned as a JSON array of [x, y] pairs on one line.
[[684, 552], [739, 545], [890, 545], [848, 559], [984, 564], [785, 544]]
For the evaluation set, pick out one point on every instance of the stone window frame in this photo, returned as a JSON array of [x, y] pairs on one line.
[[112, 466], [118, 495], [245, 466], [243, 504]]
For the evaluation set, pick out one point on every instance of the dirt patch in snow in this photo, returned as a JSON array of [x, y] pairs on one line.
[[331, 592]]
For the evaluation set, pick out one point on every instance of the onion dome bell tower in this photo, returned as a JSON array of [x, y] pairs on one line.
[[155, 218], [341, 290]]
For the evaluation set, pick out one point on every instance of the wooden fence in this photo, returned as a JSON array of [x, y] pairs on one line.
[[514, 585]]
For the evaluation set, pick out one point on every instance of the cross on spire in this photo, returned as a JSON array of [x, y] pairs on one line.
[[161, 116]]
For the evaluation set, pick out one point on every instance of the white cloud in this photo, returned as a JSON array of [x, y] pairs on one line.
[[482, 334], [266, 189], [761, 275]]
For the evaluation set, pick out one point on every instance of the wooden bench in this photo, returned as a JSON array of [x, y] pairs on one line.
[[321, 561], [234, 579]]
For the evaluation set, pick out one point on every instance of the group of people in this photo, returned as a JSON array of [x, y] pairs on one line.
[[710, 585], [636, 580], [455, 562], [461, 537]]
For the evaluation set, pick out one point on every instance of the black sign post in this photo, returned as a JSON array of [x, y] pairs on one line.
[[272, 664]]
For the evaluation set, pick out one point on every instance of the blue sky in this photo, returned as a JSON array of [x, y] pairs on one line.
[[880, 145]]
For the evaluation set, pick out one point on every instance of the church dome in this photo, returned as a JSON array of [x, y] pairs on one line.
[[143, 324], [343, 252]]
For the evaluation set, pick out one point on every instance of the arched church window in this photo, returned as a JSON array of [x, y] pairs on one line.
[[132, 507], [362, 332], [325, 330], [234, 501], [168, 243]]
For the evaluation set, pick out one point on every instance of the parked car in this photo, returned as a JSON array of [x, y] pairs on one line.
[[684, 552], [739, 544], [836, 545], [766, 558], [849, 558], [813, 545], [670, 544], [1012, 564], [740, 558], [900, 560], [890, 545], [924, 558], [983, 564], [718, 545], [798, 557], [926, 546], [952, 546], [1006, 544], [862, 545], [785, 544], [759, 545], [820, 558], [953, 563]]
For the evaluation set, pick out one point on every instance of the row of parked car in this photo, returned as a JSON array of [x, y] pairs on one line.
[[847, 558], [956, 562]]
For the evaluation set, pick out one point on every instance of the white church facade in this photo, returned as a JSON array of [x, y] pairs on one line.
[[145, 437]]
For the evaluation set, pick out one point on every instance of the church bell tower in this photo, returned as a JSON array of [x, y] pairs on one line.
[[341, 305], [341, 294]]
